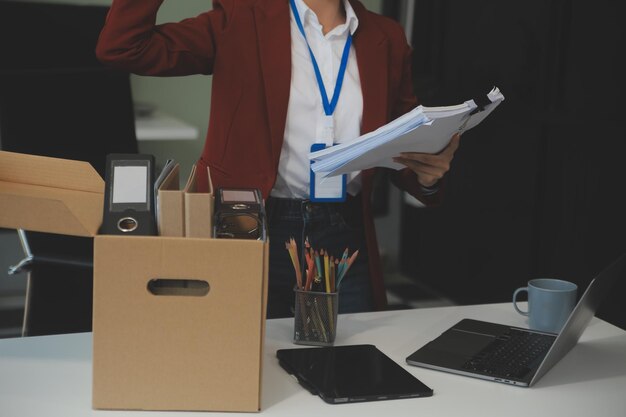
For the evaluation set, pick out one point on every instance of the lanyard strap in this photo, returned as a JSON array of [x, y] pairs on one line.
[[329, 107]]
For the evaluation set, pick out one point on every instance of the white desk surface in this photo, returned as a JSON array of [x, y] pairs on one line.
[[161, 126], [51, 375]]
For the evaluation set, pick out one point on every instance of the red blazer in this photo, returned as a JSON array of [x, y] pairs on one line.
[[246, 45]]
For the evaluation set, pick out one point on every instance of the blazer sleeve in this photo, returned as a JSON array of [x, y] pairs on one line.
[[406, 179], [132, 41]]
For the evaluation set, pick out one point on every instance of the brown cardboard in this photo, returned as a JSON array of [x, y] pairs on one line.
[[171, 206], [198, 207], [50, 195], [171, 352], [152, 352]]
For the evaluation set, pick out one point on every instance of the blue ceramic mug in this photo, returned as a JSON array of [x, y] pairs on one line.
[[550, 302]]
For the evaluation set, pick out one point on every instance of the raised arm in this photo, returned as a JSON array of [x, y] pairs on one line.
[[131, 40]]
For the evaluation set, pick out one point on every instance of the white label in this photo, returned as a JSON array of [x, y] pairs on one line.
[[130, 184]]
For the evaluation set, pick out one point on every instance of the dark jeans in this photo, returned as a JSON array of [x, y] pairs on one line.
[[328, 226]]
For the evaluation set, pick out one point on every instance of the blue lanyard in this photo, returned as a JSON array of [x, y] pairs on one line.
[[329, 107]]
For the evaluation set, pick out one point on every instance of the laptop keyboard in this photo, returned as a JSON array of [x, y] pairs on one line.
[[511, 354]]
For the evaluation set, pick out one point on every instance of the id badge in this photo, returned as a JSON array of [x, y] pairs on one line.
[[326, 189]]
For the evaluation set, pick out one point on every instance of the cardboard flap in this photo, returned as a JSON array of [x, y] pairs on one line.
[[50, 195], [49, 172]]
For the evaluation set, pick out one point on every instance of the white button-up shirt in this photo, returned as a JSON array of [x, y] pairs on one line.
[[305, 112]]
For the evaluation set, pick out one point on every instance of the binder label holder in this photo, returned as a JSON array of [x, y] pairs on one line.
[[129, 195]]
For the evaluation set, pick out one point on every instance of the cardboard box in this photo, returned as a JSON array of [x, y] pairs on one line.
[[178, 323], [176, 352]]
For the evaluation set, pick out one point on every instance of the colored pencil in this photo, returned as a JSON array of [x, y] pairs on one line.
[[327, 272], [292, 248], [347, 267]]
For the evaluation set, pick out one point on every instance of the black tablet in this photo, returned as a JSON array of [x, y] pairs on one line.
[[354, 373]]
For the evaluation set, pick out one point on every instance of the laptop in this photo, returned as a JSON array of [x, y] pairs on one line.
[[514, 355]]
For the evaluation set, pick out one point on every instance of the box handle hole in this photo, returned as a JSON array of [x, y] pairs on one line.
[[184, 287]]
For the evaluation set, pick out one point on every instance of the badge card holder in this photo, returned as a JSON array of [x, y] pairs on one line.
[[326, 189], [129, 195]]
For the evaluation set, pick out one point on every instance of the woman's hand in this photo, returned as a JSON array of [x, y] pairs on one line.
[[428, 167]]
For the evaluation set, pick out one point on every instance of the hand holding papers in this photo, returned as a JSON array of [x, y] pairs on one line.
[[424, 129]]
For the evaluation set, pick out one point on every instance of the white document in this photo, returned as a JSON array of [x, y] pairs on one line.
[[423, 129]]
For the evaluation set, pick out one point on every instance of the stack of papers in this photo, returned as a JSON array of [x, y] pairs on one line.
[[424, 129]]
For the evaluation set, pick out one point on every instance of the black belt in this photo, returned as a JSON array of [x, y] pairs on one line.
[[296, 208]]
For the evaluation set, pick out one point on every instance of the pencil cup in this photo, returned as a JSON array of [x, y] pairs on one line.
[[315, 318]]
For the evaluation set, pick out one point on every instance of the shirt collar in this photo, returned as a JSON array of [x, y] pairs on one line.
[[306, 14]]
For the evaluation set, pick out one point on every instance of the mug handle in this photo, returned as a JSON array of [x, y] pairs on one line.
[[517, 291]]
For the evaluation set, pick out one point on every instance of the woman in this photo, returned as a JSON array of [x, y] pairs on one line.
[[268, 109]]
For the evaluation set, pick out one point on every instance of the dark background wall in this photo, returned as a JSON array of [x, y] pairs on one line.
[[57, 100], [537, 190]]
